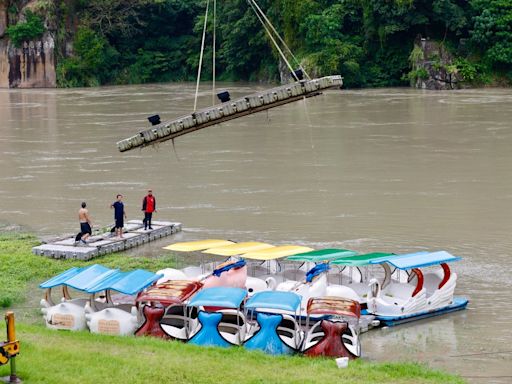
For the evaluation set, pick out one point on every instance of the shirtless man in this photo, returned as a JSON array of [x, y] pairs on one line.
[[85, 222]]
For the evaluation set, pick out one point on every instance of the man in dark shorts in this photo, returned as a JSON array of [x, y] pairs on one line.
[[119, 215], [85, 223], [148, 206]]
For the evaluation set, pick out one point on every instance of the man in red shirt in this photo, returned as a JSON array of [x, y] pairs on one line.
[[148, 206]]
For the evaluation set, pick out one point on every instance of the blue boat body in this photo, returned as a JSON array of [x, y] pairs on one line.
[[266, 338], [209, 333], [459, 303]]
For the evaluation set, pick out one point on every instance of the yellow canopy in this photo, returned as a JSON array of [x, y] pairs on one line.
[[199, 245], [238, 248], [276, 252]]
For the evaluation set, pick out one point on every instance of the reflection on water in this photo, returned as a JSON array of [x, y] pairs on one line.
[[372, 170]]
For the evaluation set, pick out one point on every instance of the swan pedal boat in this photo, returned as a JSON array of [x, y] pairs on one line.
[[100, 311]]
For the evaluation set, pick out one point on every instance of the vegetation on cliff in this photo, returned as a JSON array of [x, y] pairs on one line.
[[369, 42]]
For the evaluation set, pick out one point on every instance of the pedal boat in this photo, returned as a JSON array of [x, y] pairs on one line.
[[164, 310], [69, 313], [276, 330], [121, 315], [220, 322], [424, 295], [336, 334], [103, 313]]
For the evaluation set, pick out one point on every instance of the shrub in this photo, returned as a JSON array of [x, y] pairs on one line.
[[31, 29]]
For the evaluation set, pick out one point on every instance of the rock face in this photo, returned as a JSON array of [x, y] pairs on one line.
[[433, 67], [32, 65]]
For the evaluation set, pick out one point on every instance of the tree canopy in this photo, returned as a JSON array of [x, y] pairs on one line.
[[369, 42]]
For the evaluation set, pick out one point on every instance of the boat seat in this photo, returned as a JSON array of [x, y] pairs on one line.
[[398, 291], [431, 281], [175, 322], [232, 325]]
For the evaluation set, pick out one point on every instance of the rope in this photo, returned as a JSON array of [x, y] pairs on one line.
[[214, 48], [201, 55], [251, 3], [280, 38]]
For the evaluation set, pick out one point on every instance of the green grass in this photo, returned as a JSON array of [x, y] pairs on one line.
[[49, 356], [19, 268], [62, 357]]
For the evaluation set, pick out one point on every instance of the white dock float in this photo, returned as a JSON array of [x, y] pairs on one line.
[[229, 110], [102, 244]]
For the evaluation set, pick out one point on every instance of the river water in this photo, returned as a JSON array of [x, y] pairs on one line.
[[396, 170]]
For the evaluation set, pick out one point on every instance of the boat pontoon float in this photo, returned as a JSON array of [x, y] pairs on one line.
[[220, 321], [336, 333], [276, 330]]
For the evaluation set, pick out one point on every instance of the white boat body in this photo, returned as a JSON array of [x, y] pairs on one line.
[[113, 321], [67, 315]]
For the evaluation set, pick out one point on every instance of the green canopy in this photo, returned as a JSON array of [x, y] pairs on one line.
[[320, 255], [360, 260]]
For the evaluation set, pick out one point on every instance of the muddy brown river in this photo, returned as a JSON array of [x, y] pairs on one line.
[[395, 170]]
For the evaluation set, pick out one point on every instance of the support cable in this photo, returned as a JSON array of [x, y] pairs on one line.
[[279, 37], [214, 48], [201, 55], [271, 37]]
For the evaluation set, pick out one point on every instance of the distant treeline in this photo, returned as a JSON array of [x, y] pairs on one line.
[[369, 42]]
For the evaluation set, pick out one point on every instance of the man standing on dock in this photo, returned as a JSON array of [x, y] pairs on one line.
[[119, 215], [85, 223], [148, 206]]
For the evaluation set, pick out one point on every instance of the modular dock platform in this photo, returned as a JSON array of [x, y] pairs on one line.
[[229, 110], [102, 244]]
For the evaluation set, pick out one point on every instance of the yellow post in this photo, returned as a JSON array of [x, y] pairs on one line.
[[11, 338], [11, 333]]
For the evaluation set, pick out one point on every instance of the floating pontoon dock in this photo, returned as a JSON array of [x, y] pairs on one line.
[[229, 110], [133, 236]]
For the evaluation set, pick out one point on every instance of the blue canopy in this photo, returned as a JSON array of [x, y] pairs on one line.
[[96, 278], [225, 297], [286, 301], [62, 278], [78, 278], [418, 259], [128, 283]]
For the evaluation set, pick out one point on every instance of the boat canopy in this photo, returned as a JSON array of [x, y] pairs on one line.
[[238, 248], [128, 283], [199, 245], [96, 278], [419, 259], [330, 305], [80, 278], [276, 252], [322, 255], [225, 297], [170, 292], [362, 260], [286, 301]]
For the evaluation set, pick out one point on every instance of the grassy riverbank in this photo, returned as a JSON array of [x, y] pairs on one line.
[[57, 357], [54, 357]]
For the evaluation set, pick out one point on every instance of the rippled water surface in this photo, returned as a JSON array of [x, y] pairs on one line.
[[373, 170]]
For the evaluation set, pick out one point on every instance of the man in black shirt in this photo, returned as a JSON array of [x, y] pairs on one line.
[[119, 215]]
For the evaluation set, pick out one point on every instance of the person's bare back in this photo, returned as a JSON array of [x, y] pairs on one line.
[[83, 215]]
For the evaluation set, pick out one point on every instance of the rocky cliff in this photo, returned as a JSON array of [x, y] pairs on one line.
[[433, 66], [33, 64]]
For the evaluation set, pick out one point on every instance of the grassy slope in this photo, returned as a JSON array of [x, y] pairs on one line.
[[19, 267], [56, 357]]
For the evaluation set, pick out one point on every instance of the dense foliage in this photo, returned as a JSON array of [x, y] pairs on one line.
[[369, 42], [30, 29]]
